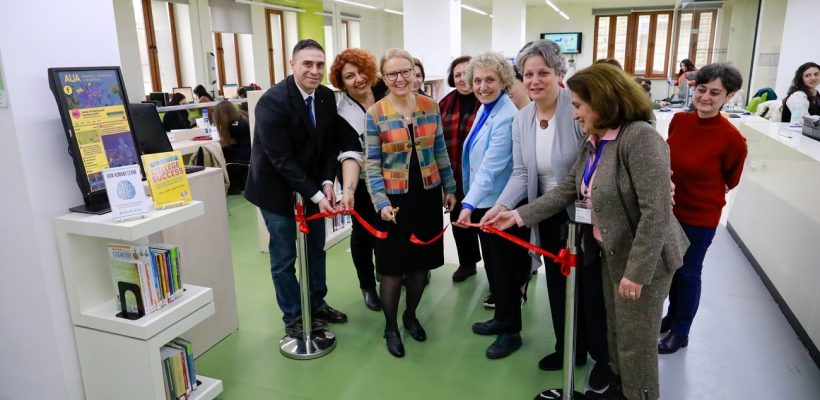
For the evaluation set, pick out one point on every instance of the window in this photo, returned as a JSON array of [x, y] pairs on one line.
[[277, 58], [157, 40], [230, 49], [640, 41], [696, 36]]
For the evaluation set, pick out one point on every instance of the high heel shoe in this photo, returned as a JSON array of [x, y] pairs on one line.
[[394, 344], [414, 327], [672, 342]]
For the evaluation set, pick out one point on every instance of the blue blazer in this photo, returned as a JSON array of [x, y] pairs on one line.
[[487, 166]]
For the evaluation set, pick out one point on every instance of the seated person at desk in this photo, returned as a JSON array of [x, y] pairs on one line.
[[802, 97], [234, 132], [202, 94], [646, 84], [176, 119]]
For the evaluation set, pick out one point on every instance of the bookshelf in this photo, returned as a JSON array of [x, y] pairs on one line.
[[120, 358]]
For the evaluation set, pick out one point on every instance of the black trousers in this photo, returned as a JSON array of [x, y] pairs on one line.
[[466, 239], [590, 332], [508, 268], [361, 241]]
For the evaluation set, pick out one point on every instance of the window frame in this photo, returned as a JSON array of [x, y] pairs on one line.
[[632, 39], [151, 43], [271, 63], [693, 37]]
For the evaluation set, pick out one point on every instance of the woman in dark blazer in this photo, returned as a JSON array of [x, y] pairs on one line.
[[622, 175]]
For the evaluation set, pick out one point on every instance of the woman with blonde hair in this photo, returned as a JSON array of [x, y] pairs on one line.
[[409, 179], [620, 183]]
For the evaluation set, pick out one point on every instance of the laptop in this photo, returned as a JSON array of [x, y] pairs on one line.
[[150, 133]]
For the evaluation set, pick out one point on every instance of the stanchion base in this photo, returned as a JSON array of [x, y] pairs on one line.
[[557, 394], [321, 343]]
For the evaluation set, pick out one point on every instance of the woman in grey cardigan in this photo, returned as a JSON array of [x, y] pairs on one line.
[[622, 176], [545, 146]]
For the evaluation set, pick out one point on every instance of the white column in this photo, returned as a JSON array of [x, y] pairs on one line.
[[202, 43], [509, 26], [130, 64], [798, 46], [432, 33]]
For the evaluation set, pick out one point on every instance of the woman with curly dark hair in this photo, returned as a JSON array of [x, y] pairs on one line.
[[802, 95]]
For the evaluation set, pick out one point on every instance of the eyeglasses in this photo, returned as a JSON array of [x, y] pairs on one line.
[[405, 73]]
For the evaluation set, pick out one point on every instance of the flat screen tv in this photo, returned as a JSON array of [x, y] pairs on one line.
[[92, 105], [570, 42]]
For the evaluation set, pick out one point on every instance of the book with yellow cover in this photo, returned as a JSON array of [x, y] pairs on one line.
[[166, 178]]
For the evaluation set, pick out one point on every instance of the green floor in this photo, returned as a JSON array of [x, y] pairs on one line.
[[450, 365]]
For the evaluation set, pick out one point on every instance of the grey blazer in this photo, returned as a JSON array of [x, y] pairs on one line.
[[659, 239], [523, 182]]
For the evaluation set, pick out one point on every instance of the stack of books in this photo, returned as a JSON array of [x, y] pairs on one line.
[[178, 369], [153, 268]]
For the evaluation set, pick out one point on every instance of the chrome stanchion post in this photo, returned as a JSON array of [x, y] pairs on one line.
[[313, 343], [567, 392]]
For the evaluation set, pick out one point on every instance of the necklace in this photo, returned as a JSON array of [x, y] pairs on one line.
[[544, 123]]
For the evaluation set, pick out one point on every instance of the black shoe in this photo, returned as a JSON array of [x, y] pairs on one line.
[[599, 377], [489, 301], [504, 345], [488, 328], [666, 324], [329, 314], [672, 342], [555, 361], [294, 329], [394, 345], [463, 272], [414, 327], [613, 390], [371, 299]]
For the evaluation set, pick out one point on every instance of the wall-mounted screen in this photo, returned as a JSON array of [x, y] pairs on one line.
[[92, 104], [570, 42]]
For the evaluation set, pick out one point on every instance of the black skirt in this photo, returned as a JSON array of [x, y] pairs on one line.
[[420, 213]]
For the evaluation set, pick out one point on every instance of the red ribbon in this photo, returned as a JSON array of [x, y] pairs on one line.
[[415, 240], [565, 259], [302, 220]]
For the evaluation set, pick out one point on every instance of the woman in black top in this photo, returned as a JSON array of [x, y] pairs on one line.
[[234, 132], [176, 119]]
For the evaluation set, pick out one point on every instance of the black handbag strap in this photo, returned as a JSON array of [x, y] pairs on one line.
[[618, 165]]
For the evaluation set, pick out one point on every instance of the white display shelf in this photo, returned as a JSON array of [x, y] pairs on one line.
[[208, 388], [333, 238], [102, 317], [104, 225]]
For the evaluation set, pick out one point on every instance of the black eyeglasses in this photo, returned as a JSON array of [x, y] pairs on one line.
[[405, 73]]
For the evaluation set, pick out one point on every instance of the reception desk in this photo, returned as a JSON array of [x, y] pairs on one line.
[[775, 219]]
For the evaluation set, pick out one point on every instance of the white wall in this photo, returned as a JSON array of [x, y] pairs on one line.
[[129, 62], [769, 38], [379, 31], [476, 33], [799, 43], [37, 350], [259, 47], [543, 19], [740, 48]]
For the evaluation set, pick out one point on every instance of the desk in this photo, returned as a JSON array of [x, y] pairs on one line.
[[776, 220], [663, 118], [190, 146]]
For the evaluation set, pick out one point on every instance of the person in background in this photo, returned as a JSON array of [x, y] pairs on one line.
[[176, 119], [518, 92], [686, 73], [707, 155], [202, 94], [294, 150], [610, 61], [802, 94], [234, 132], [418, 74], [487, 165], [458, 111], [409, 180], [354, 73], [646, 85], [545, 146], [622, 180]]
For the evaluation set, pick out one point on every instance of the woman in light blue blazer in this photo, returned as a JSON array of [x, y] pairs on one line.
[[486, 167]]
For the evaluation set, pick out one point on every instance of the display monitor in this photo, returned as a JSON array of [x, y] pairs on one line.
[[570, 42], [187, 92], [158, 98], [150, 133], [229, 91], [91, 102]]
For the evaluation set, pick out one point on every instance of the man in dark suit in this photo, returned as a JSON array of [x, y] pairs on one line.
[[294, 151]]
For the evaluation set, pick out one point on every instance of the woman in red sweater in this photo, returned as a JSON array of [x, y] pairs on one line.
[[707, 154]]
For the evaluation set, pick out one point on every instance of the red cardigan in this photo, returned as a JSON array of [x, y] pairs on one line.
[[707, 156]]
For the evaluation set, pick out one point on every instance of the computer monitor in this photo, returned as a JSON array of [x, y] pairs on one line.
[[569, 42], [150, 133], [159, 98], [187, 92], [97, 124], [229, 91]]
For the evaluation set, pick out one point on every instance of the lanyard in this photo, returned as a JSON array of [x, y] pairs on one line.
[[589, 169]]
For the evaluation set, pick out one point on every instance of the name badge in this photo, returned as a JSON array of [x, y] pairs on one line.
[[583, 215]]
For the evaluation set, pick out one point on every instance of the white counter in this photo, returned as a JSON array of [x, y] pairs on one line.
[[775, 219]]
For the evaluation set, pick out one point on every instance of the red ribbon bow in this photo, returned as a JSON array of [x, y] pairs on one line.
[[302, 220]]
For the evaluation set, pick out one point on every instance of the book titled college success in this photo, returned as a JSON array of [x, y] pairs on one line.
[[166, 178]]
